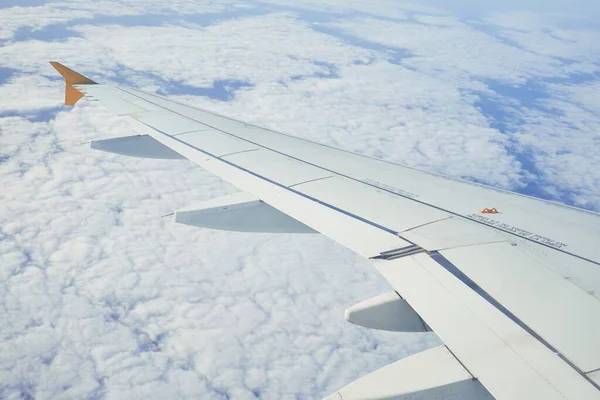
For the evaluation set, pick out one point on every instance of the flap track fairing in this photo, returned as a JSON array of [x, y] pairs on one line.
[[240, 212]]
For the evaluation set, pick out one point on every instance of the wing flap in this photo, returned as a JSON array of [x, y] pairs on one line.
[[558, 311], [510, 362], [429, 375]]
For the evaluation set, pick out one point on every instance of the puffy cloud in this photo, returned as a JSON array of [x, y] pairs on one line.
[[457, 51], [35, 18], [584, 94], [550, 36], [564, 148], [101, 296], [384, 8], [254, 49], [408, 118], [553, 141], [30, 92], [574, 9]]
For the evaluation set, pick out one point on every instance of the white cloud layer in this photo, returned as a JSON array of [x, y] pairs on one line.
[[101, 295], [104, 299], [457, 51], [29, 92], [35, 18]]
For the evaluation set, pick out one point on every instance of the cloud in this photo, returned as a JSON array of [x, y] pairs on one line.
[[383, 8], [513, 81], [564, 147], [575, 9], [51, 13], [257, 50], [17, 94], [460, 52], [265, 40], [429, 124], [585, 95], [402, 106], [550, 36], [102, 297]]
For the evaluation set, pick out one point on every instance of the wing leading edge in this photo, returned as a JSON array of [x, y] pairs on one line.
[[512, 294]]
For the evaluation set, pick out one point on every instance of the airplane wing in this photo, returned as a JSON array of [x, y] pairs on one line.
[[510, 283]]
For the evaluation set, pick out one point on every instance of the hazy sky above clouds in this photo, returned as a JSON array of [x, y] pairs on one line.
[[103, 298], [581, 9]]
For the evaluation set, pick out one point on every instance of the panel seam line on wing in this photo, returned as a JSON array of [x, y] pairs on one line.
[[185, 133], [239, 152], [312, 180], [592, 371], [427, 223]]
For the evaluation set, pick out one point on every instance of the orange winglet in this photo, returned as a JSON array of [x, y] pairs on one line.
[[72, 95], [489, 211]]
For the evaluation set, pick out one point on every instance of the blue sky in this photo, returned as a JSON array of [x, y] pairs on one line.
[[104, 299]]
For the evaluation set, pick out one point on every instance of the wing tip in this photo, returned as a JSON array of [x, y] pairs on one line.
[[72, 95]]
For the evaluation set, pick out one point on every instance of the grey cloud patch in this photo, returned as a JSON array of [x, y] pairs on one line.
[[503, 106], [50, 33], [223, 90], [394, 54], [34, 116], [329, 71], [64, 31], [504, 99], [5, 74], [19, 3], [62, 12], [476, 9], [504, 109]]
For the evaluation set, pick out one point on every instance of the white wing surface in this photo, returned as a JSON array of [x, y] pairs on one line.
[[511, 284]]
